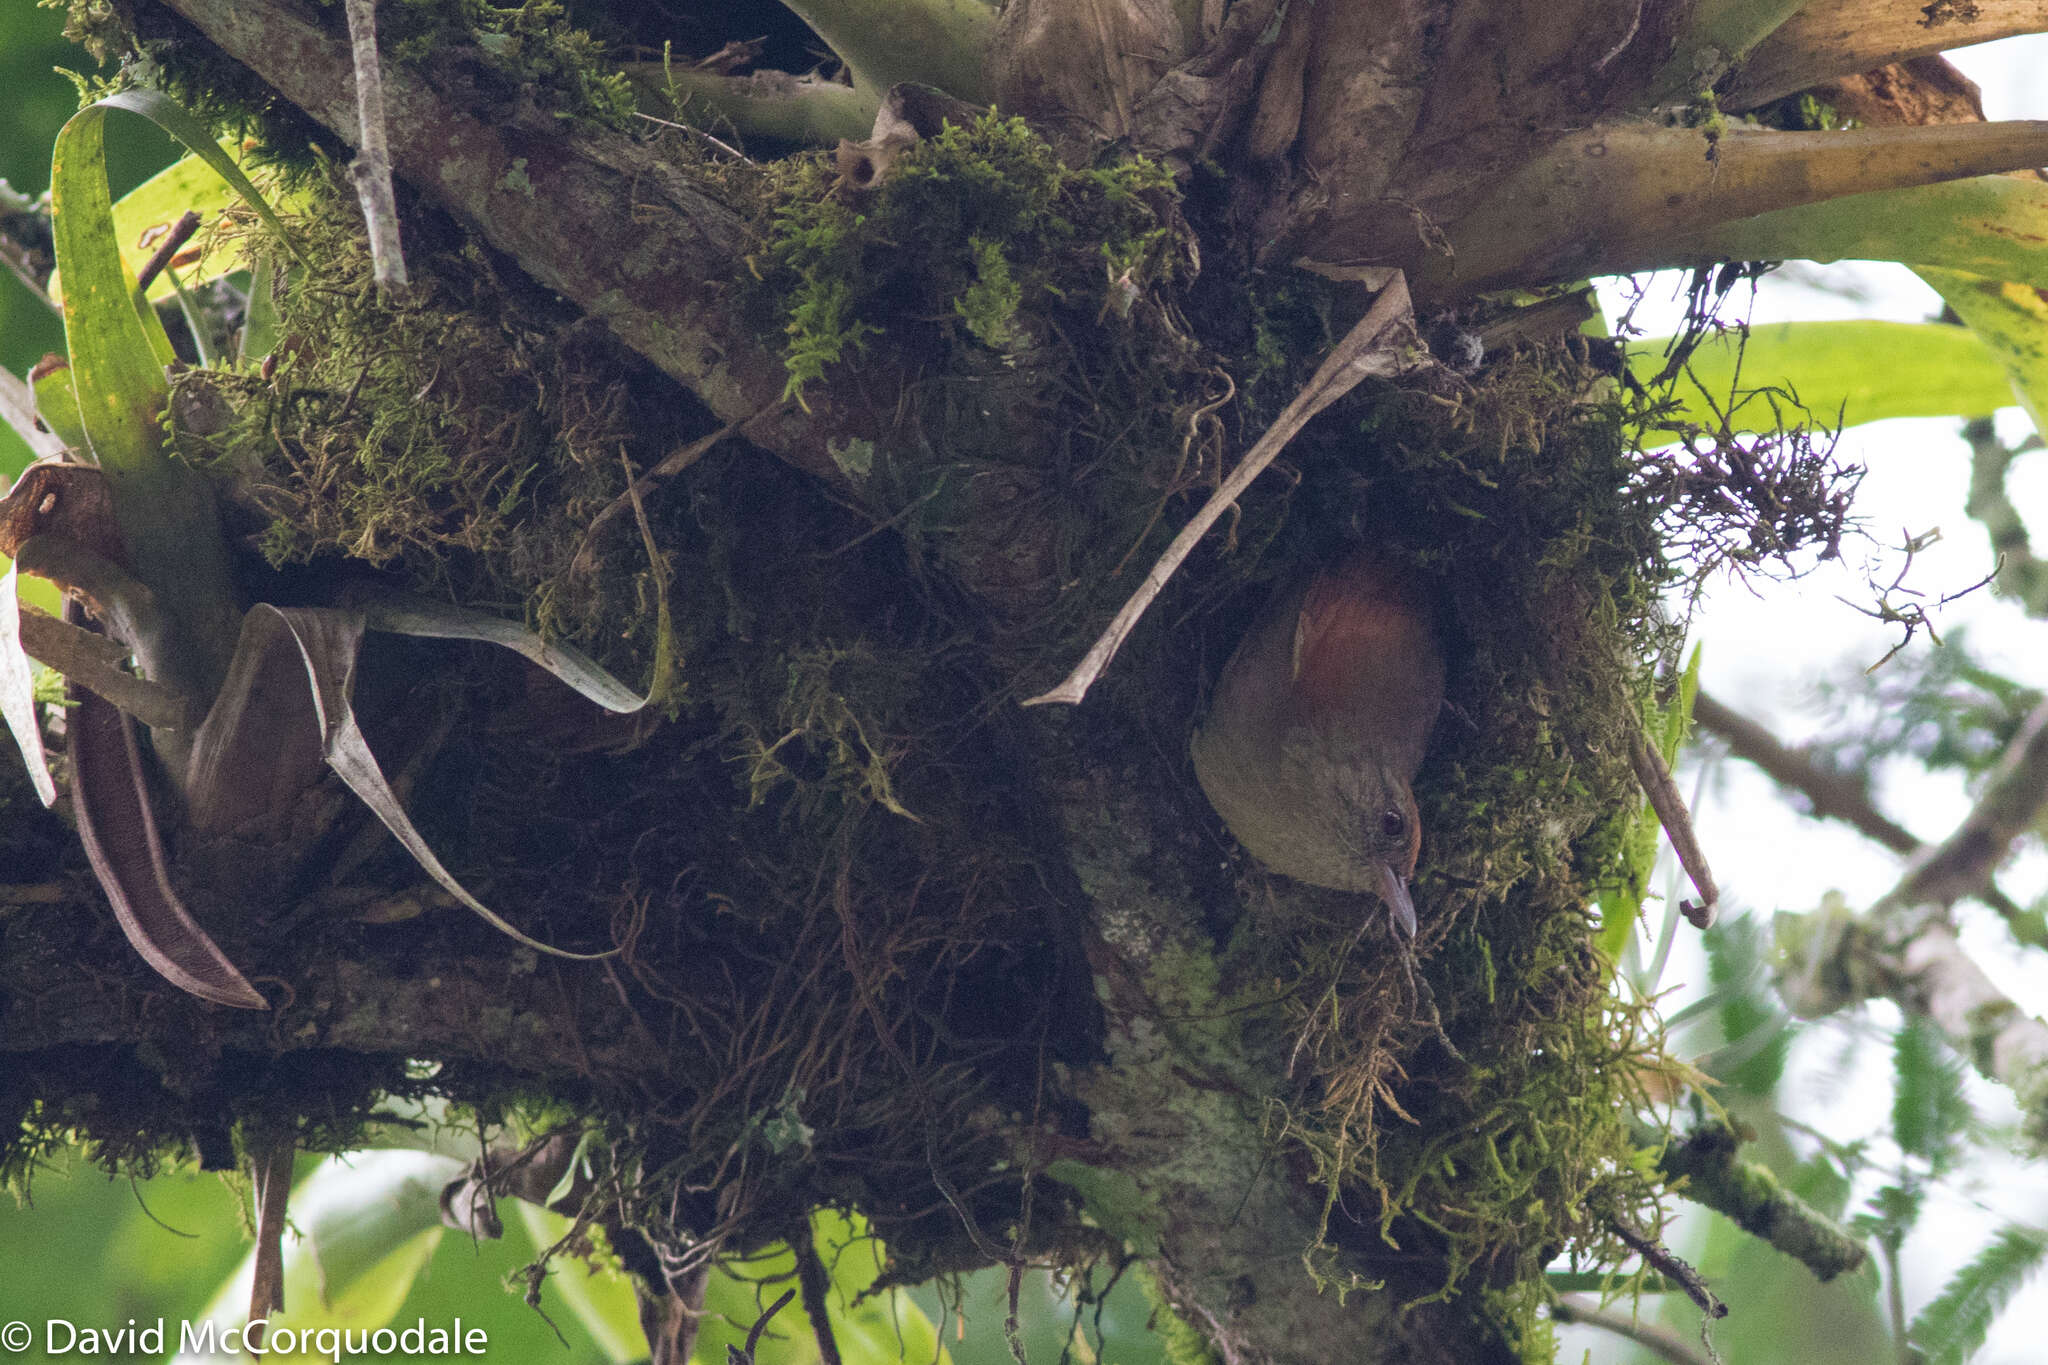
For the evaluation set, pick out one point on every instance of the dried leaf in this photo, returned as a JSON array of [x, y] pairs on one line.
[[110, 794], [329, 640], [399, 613]]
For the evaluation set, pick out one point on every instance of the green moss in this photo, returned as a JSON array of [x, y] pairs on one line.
[[981, 223], [531, 46]]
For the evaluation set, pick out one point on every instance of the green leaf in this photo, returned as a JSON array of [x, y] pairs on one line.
[[2012, 322], [194, 183], [57, 405], [260, 324], [602, 1299], [117, 348], [1990, 225], [115, 366], [1950, 1330], [1930, 1113], [1865, 371]]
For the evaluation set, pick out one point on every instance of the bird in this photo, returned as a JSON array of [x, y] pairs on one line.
[[1319, 723]]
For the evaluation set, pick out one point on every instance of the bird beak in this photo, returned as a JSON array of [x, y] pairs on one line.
[[1394, 891]]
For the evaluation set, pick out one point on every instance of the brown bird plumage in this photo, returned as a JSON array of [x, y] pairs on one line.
[[1318, 726]]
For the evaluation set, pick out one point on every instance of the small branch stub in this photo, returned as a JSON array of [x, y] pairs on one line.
[[372, 168]]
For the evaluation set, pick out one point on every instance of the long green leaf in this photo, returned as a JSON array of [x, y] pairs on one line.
[[401, 613], [363, 1226], [2012, 322], [1990, 225], [328, 640], [1950, 1330], [168, 522], [1846, 369], [115, 369]]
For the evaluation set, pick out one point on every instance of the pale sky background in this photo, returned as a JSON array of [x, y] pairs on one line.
[[1764, 647]]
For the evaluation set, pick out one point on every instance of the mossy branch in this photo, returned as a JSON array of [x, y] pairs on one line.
[[2021, 573], [609, 224], [1751, 1197], [1905, 948]]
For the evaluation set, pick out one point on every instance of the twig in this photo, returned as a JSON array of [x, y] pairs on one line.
[[1655, 779], [372, 168], [812, 1280], [1374, 347], [744, 1355], [675, 462], [1661, 1341], [1829, 795], [1961, 865], [179, 234], [1674, 1268]]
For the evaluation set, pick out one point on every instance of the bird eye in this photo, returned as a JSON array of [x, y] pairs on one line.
[[1393, 824]]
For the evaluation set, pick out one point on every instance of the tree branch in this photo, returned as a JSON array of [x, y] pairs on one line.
[[1751, 1197], [1962, 864], [1659, 1341], [1905, 948], [2021, 573], [1832, 795], [608, 223]]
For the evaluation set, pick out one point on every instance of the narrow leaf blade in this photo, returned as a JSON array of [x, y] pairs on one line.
[[18, 692], [329, 640], [399, 613], [110, 794], [1834, 368]]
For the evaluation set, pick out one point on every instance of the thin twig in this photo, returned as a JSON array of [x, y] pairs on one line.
[[1376, 346], [1830, 795], [372, 169], [179, 234], [761, 1325], [675, 462], [1661, 1341], [1961, 865], [1674, 1268], [1655, 779]]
